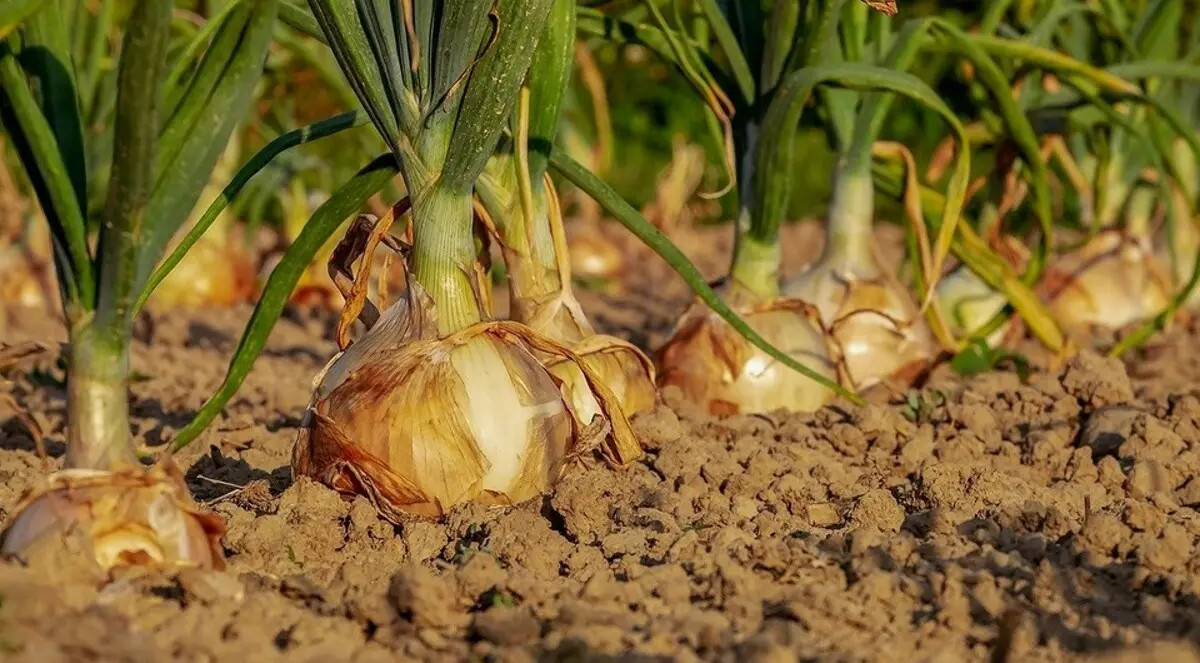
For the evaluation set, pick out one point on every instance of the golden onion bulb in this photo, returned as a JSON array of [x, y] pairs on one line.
[[871, 319], [142, 517], [717, 368], [419, 423], [1110, 282]]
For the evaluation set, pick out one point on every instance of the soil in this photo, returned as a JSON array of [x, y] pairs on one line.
[[979, 519]]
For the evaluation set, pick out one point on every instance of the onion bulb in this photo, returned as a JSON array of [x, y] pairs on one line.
[[1111, 281], [419, 423], [719, 369], [133, 517], [213, 273], [871, 318]]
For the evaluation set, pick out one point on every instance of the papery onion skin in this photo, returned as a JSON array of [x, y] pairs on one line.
[[438, 423], [621, 366], [1110, 282], [718, 369], [872, 320], [142, 517]]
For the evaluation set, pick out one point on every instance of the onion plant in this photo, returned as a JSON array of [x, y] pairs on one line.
[[438, 402], [168, 134], [524, 207], [775, 62], [1112, 279]]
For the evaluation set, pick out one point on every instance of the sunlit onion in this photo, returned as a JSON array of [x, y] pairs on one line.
[[871, 318], [1110, 282], [717, 368], [419, 423]]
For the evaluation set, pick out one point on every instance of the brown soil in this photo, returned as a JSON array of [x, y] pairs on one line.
[[1047, 521]]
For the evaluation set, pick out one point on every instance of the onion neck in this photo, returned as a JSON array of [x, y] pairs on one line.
[[98, 431], [444, 255], [756, 267], [850, 229]]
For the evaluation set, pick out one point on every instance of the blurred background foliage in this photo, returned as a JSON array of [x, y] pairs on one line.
[[651, 111]]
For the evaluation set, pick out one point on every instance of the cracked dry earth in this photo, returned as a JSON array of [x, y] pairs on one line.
[[1052, 520]]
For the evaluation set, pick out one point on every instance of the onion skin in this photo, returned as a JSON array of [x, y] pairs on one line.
[[721, 371], [624, 368], [135, 517], [436, 441], [872, 321], [1110, 282]]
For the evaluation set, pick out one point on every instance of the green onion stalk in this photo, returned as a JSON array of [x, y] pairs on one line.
[[438, 403], [167, 138]]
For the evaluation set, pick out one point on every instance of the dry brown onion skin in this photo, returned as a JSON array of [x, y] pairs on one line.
[[418, 424], [135, 517], [622, 366], [1108, 283], [399, 428], [720, 370]]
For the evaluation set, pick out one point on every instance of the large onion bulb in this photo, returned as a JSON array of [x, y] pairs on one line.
[[142, 517], [717, 368], [419, 423]]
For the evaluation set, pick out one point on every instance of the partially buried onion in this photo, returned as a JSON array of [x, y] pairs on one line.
[[719, 369], [133, 517], [419, 423]]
